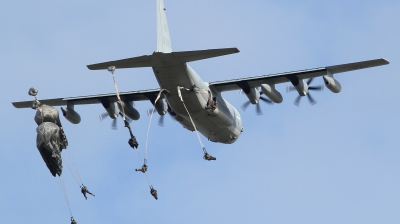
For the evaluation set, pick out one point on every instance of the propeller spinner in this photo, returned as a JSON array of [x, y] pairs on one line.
[[310, 98], [114, 121], [258, 107]]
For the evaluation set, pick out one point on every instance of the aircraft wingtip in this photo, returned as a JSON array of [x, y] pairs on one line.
[[386, 61]]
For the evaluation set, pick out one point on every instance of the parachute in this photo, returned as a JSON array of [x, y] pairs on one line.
[[51, 139], [48, 142], [46, 113]]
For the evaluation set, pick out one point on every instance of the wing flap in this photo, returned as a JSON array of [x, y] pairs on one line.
[[234, 84], [93, 99]]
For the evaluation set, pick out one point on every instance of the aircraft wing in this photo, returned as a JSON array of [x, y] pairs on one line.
[[253, 82], [150, 94], [227, 85]]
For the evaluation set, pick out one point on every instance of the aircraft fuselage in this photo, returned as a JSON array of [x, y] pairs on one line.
[[224, 124]]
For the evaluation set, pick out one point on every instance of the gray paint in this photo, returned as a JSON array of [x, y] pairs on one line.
[[171, 70]]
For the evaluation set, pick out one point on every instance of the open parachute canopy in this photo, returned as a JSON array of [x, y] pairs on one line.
[[51, 139]]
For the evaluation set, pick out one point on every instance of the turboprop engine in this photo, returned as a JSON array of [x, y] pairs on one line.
[[162, 107], [270, 91], [71, 115], [332, 84], [302, 87], [129, 110], [253, 95]]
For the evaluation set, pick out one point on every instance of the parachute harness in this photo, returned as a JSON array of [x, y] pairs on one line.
[[132, 141], [36, 105], [112, 69], [206, 155], [61, 184], [76, 176], [144, 167], [151, 117]]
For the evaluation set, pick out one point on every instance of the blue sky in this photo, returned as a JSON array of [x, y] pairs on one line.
[[334, 162]]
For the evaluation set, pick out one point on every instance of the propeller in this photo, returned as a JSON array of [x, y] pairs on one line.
[[161, 119], [310, 98], [258, 108], [114, 121]]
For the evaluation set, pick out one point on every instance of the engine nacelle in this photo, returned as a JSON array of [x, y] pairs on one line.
[[270, 91], [71, 115], [161, 107], [299, 84], [253, 95], [302, 88], [111, 108], [332, 84], [129, 110]]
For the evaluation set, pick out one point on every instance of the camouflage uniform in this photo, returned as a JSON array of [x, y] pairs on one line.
[[153, 192], [73, 221], [208, 157], [143, 169], [84, 190]]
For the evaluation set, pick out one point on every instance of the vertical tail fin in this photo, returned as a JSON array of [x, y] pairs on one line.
[[163, 39]]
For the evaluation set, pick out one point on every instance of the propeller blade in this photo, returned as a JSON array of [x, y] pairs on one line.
[[126, 117], [266, 100], [170, 111], [310, 98], [258, 109], [321, 87], [149, 112], [312, 101], [245, 105], [290, 89], [114, 124], [102, 116], [310, 81], [161, 121], [297, 101]]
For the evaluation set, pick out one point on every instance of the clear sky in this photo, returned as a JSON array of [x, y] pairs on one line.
[[334, 162]]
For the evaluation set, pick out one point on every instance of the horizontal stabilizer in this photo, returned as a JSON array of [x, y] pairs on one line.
[[357, 65], [136, 62], [188, 56]]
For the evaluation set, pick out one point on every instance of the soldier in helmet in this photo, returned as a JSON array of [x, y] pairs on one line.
[[143, 169], [73, 220], [84, 190], [208, 157], [133, 142], [153, 192]]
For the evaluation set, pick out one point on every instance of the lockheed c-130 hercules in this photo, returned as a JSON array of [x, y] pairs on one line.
[[195, 104]]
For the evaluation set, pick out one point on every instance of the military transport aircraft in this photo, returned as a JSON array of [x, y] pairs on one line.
[[213, 116]]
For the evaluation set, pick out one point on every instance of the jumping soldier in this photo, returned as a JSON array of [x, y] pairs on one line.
[[208, 157], [133, 143], [211, 104], [73, 220], [143, 169], [84, 190], [153, 192]]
